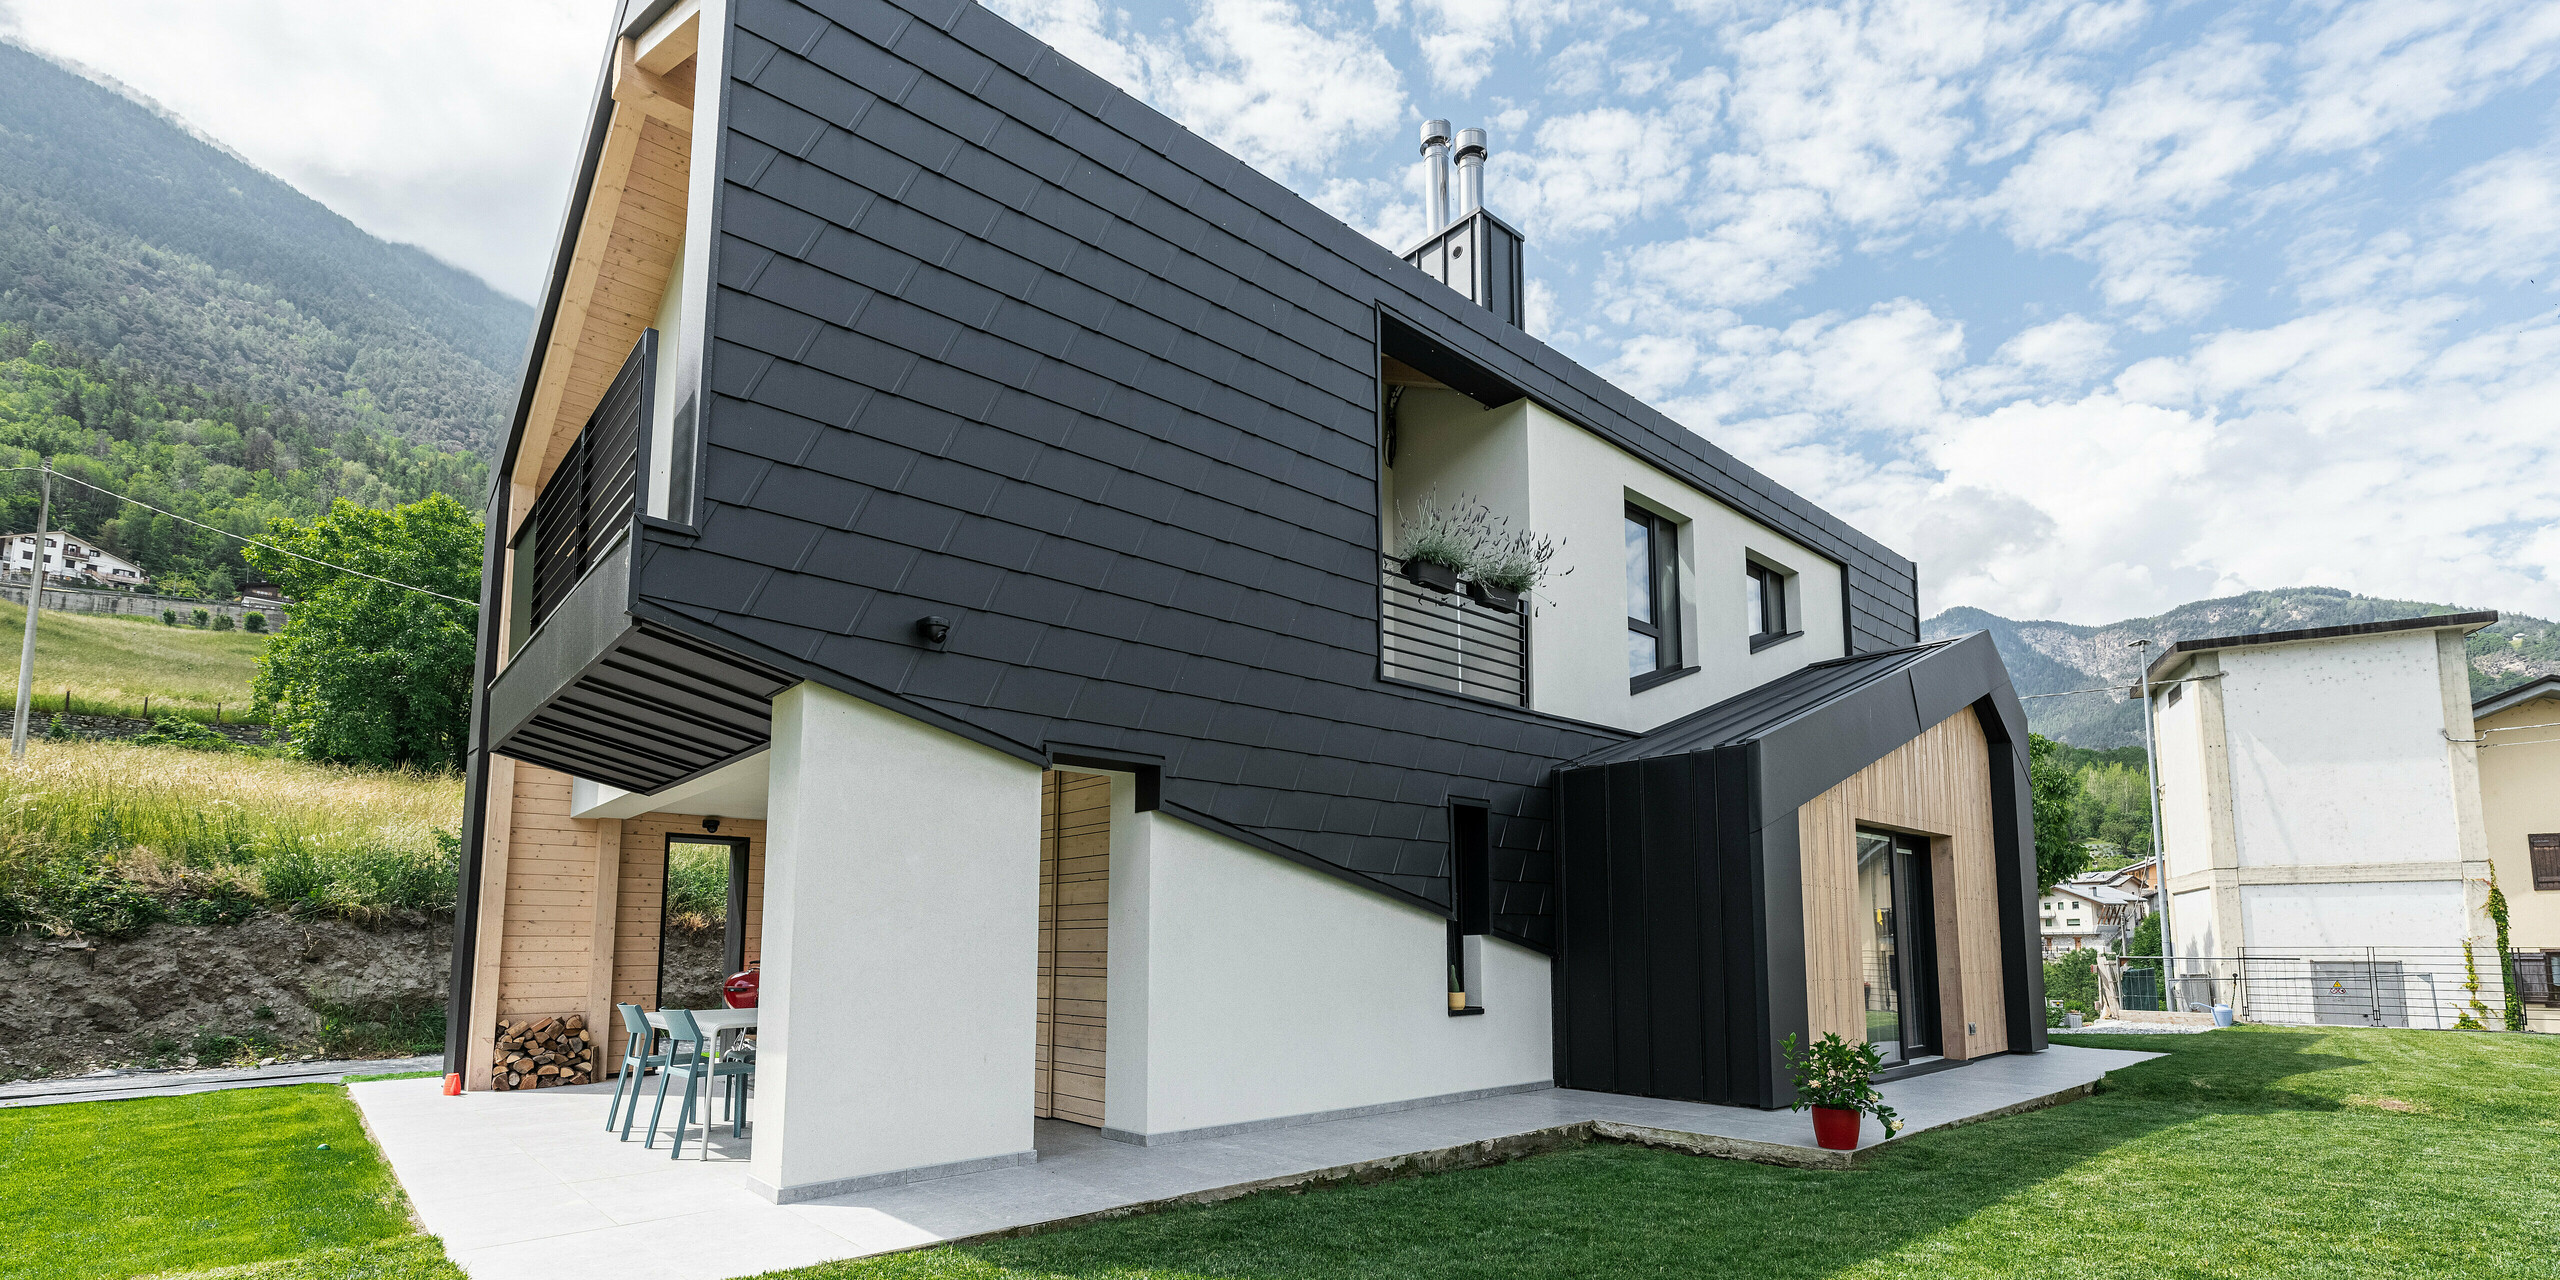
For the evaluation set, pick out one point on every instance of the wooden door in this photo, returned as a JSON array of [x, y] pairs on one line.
[[1075, 907]]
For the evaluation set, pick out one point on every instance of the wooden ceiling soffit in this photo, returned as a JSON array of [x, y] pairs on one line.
[[627, 248]]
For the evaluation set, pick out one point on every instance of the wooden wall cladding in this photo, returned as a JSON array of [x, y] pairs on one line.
[[644, 890], [1075, 908], [1938, 785]]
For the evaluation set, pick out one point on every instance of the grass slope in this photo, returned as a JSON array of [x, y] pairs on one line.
[[103, 1189], [2251, 1152], [110, 664]]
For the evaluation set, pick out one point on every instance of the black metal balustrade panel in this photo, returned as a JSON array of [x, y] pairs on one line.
[[592, 495], [1451, 642]]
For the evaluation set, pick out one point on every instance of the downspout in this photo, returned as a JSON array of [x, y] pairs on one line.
[[475, 791]]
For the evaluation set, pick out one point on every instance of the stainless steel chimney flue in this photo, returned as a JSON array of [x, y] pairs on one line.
[[1435, 173], [1471, 153]]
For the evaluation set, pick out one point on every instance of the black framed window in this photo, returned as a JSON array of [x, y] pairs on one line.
[[1764, 599], [1653, 594]]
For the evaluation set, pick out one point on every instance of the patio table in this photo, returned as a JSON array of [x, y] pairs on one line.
[[717, 1024]]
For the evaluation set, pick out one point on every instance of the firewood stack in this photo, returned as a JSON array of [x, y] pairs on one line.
[[536, 1053]]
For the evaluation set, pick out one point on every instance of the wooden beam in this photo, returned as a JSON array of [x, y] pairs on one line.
[[480, 1044], [675, 37], [602, 1023], [669, 97]]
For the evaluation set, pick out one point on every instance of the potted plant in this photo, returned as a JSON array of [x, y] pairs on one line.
[[1508, 566], [1834, 1079], [1457, 991], [1440, 542]]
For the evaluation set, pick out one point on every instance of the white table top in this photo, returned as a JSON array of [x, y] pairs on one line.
[[714, 1021]]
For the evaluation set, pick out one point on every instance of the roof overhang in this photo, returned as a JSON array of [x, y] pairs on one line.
[[2184, 651], [2517, 696]]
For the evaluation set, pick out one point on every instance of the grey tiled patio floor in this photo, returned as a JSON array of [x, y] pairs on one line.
[[526, 1184]]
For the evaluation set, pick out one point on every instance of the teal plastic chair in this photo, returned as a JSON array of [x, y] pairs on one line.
[[689, 1056], [639, 1039]]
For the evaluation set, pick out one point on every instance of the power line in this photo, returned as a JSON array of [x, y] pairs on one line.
[[65, 475]]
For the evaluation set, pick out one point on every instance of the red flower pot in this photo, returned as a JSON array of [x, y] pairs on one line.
[[1835, 1129]]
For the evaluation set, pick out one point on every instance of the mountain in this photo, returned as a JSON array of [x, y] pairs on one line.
[[2051, 657], [125, 235]]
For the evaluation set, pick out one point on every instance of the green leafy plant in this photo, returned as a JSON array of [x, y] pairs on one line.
[[222, 622], [202, 617], [253, 623], [168, 617], [59, 730], [2470, 1018], [2060, 852], [1837, 1074], [2514, 1011], [78, 896], [356, 1028]]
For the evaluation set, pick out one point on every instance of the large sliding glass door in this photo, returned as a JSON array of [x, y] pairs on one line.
[[1897, 944]]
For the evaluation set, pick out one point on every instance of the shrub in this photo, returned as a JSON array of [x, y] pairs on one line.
[[2069, 984], [168, 617], [356, 880], [253, 623], [202, 616], [222, 622], [210, 1046], [178, 731], [59, 730]]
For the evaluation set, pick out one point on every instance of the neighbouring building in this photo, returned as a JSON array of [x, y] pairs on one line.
[[2089, 912], [2322, 822], [983, 500], [2519, 739], [73, 559]]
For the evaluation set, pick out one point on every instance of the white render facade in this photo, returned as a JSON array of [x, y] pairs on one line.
[[2320, 795]]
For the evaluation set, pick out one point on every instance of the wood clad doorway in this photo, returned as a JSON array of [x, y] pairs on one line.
[[1075, 910]]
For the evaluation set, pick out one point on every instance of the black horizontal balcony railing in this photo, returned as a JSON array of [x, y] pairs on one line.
[[595, 492], [1448, 641]]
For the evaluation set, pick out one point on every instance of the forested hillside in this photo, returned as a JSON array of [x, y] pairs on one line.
[[125, 237], [2049, 657], [208, 455]]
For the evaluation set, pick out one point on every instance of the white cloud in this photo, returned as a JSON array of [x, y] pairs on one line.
[[2498, 220], [453, 126], [1459, 38], [2391, 66]]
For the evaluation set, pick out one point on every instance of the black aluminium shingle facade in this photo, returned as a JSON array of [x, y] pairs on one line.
[[991, 340]]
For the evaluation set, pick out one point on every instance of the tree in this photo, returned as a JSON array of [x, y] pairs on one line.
[[367, 672], [2060, 853], [2146, 937]]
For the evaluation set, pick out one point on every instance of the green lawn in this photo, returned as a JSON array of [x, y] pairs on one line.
[[2251, 1152], [103, 1189]]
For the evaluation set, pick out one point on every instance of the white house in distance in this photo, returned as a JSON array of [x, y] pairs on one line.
[[68, 555], [2086, 912], [2519, 733], [2321, 821]]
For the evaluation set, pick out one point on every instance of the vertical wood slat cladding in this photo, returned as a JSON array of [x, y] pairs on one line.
[[1938, 785], [1075, 905], [644, 894]]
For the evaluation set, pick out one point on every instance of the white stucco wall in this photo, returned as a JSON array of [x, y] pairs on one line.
[[901, 927], [1245, 987], [2186, 828], [2338, 752], [1544, 472], [2402, 913], [667, 379], [2191, 925]]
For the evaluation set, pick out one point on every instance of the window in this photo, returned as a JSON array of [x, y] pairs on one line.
[[2545, 847], [1653, 597], [1764, 601]]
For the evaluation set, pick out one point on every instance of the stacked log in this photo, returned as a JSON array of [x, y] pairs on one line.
[[537, 1053]]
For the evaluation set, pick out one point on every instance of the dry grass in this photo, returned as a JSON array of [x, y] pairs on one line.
[[191, 824], [112, 665]]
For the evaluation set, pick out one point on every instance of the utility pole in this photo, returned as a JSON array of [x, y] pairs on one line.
[[35, 601], [2159, 841]]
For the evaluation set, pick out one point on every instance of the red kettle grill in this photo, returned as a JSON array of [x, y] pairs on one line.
[[739, 989]]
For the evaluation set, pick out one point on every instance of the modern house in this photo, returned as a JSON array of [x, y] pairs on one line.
[[985, 502], [2321, 820], [71, 558], [2519, 739]]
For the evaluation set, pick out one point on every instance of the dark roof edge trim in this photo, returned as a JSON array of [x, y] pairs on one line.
[[2517, 695], [2170, 657]]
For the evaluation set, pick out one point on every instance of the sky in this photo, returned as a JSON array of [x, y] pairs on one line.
[[2090, 308]]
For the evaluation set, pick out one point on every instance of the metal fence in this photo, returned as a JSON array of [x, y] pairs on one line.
[[1448, 641], [2326, 986]]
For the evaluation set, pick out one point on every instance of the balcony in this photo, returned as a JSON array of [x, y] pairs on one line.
[[1448, 641], [591, 687]]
